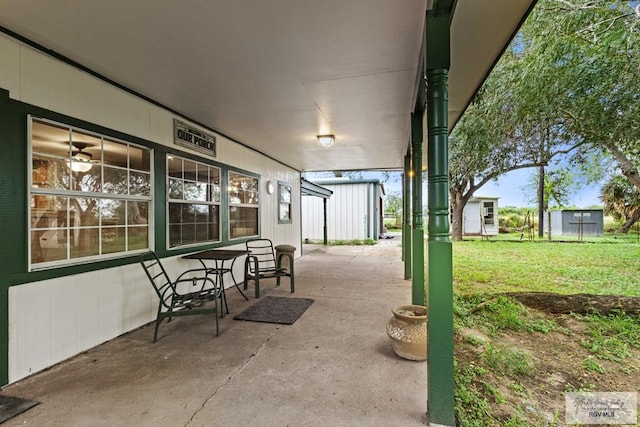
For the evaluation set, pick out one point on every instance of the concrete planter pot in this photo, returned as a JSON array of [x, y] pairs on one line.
[[408, 332]]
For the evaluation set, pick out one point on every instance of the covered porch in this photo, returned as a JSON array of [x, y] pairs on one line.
[[265, 80], [333, 366]]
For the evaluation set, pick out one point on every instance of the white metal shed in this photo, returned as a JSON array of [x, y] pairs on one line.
[[354, 211], [481, 217]]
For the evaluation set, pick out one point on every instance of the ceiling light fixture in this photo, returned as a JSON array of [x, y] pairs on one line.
[[80, 160], [326, 141]]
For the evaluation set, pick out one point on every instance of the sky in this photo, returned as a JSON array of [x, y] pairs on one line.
[[508, 188]]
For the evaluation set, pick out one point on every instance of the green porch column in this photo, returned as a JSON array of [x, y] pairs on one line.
[[324, 225], [440, 404], [417, 235], [406, 216]]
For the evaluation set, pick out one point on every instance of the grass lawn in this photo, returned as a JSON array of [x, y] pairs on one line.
[[514, 365], [481, 267]]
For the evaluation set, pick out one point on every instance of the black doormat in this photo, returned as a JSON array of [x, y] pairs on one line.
[[280, 310], [12, 406]]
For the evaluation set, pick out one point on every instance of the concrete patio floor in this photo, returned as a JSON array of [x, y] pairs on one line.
[[333, 367]]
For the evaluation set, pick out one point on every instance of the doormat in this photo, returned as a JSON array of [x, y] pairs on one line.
[[282, 310], [12, 406]]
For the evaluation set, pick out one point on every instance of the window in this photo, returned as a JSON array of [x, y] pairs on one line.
[[194, 202], [488, 214], [284, 203], [90, 195], [243, 205]]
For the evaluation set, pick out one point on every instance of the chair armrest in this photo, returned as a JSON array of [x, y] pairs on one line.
[[202, 271], [197, 279], [256, 264]]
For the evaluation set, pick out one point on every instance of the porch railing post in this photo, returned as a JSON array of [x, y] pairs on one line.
[[406, 216], [417, 235], [440, 265]]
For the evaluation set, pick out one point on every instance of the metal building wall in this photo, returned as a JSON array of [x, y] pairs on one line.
[[352, 212]]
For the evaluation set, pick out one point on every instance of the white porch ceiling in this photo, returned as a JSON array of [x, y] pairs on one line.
[[274, 74]]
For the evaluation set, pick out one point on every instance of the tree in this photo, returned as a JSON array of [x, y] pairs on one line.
[[597, 49], [559, 183], [393, 206], [567, 86], [510, 124], [622, 201]]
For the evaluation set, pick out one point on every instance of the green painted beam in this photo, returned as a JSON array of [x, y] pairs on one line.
[[417, 230]]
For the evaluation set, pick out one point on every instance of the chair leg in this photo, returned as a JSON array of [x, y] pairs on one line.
[[238, 287], [158, 321], [257, 283], [215, 307], [293, 288], [223, 298]]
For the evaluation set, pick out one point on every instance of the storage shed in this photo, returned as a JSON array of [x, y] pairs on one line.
[[480, 217], [576, 222], [354, 211]]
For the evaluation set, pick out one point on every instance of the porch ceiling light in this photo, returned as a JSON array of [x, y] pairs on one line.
[[326, 141]]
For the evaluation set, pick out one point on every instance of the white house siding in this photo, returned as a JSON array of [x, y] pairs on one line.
[[52, 320]]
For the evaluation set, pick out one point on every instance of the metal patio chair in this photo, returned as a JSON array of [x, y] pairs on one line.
[[261, 263], [185, 296]]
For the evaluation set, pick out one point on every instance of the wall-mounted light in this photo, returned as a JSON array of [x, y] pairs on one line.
[[326, 141]]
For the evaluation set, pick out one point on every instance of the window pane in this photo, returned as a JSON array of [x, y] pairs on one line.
[[113, 240], [89, 181], [203, 174], [138, 213], [140, 183], [214, 195], [214, 187], [50, 173], [138, 238], [175, 189], [50, 245], [175, 213], [115, 180], [189, 169], [84, 212], [188, 214], [175, 235], [242, 189], [243, 221], [174, 167], [140, 159], [84, 242], [195, 191], [115, 153], [285, 214], [50, 139], [113, 212], [85, 154]]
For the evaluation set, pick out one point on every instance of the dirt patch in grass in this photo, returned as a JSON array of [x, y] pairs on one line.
[[517, 374]]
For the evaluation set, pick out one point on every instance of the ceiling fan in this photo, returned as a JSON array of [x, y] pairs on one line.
[[80, 160]]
